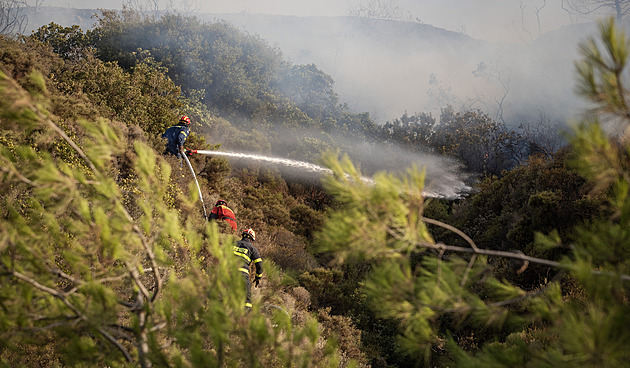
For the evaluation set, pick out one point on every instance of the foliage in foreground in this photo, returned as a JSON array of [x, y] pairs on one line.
[[433, 289], [99, 269]]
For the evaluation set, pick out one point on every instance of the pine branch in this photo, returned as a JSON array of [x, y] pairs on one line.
[[120, 331], [48, 122], [451, 228], [468, 268], [66, 302], [158, 327], [440, 247], [5, 168], [502, 303], [142, 289], [144, 295], [156, 272], [60, 321]]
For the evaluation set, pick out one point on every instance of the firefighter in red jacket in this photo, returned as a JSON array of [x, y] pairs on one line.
[[222, 212], [248, 255]]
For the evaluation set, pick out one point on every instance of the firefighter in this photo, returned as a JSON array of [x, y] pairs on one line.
[[248, 254], [222, 212], [176, 136]]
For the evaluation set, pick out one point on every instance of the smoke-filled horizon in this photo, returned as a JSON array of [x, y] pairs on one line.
[[417, 64], [489, 20], [452, 57]]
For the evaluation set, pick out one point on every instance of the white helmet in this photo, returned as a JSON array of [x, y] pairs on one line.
[[250, 234]]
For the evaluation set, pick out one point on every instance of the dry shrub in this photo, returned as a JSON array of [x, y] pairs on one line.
[[302, 297], [289, 251], [345, 333], [307, 221]]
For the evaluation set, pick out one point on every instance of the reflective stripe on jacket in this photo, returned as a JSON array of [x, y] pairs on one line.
[[248, 254], [176, 136]]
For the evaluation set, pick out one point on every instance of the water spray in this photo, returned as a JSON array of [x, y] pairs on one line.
[[276, 160], [281, 161], [307, 166], [205, 214]]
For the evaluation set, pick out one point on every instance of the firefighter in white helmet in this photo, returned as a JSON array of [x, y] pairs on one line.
[[249, 254]]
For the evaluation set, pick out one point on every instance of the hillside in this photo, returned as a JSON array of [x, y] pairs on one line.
[[106, 257], [388, 68], [380, 66], [391, 67]]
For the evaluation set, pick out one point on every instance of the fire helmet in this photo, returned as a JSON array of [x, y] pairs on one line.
[[185, 119], [220, 202], [250, 234]]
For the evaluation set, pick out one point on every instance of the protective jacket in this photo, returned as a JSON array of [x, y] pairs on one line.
[[176, 136], [223, 212], [248, 254]]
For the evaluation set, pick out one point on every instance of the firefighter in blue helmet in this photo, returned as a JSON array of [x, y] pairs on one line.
[[248, 255], [176, 136]]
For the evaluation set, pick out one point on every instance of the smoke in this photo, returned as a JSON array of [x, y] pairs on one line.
[[388, 67], [297, 156], [443, 179], [424, 58], [428, 57]]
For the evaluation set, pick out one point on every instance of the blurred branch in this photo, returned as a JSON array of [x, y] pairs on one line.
[[67, 303], [441, 248], [43, 118], [453, 229]]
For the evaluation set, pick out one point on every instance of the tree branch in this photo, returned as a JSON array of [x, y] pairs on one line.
[[451, 228], [502, 303], [66, 302], [136, 278], [15, 172], [440, 247], [468, 268], [151, 255]]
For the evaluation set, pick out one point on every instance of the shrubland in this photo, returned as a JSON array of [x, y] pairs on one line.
[[107, 259]]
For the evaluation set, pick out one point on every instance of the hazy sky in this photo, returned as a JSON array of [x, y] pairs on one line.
[[491, 20]]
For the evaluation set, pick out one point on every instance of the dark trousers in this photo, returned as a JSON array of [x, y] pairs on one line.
[[175, 153], [248, 290]]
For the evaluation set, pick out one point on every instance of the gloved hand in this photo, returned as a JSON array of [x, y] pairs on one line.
[[188, 152], [257, 280]]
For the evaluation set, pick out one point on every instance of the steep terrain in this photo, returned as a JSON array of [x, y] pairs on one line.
[[388, 67], [391, 67]]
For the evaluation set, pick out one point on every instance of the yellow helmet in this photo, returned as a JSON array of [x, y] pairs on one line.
[[250, 234]]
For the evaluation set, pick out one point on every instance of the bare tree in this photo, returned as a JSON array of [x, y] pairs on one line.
[[538, 7], [537, 10], [440, 93], [186, 7], [377, 9], [491, 72], [542, 135], [12, 16], [523, 20], [146, 8], [620, 8], [569, 12]]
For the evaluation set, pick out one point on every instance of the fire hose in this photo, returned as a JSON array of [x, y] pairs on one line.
[[205, 214]]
